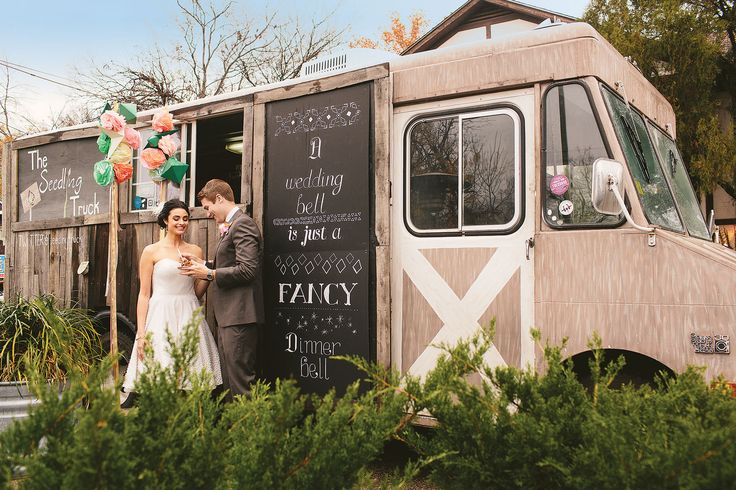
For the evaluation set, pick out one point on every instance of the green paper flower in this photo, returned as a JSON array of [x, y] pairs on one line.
[[157, 174], [104, 173], [103, 143]]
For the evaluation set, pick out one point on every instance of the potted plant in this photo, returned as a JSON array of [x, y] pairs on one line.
[[37, 334]]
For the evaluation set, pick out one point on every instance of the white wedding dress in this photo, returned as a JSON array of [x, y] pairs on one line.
[[170, 308]]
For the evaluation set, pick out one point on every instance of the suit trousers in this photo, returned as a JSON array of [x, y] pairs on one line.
[[237, 348]]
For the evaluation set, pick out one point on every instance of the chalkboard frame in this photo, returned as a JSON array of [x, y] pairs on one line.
[[371, 310]]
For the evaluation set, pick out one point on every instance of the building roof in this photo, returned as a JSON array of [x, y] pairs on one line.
[[480, 12]]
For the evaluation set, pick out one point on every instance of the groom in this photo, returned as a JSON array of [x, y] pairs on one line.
[[236, 288]]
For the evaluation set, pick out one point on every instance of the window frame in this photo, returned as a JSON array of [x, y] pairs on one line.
[[184, 152], [543, 170], [519, 169], [605, 88], [655, 127]]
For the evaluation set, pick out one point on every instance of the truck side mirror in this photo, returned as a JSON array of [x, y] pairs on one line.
[[606, 173], [712, 222], [605, 192]]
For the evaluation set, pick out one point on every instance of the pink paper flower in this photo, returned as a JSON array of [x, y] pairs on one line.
[[112, 121], [162, 121], [132, 137], [169, 144], [224, 227], [123, 172], [152, 158], [122, 154]]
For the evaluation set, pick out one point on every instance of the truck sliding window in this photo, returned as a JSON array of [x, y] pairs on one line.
[[572, 142], [483, 147], [675, 170], [212, 147], [649, 180], [144, 193]]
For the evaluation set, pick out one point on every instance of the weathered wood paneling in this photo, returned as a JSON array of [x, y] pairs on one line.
[[246, 189], [259, 156], [209, 109], [322, 84], [382, 206], [53, 137], [8, 214]]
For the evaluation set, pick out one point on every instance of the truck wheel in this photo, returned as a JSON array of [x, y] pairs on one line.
[[126, 335], [639, 369]]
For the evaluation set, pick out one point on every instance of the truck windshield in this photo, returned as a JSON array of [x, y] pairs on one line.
[[649, 180], [675, 171]]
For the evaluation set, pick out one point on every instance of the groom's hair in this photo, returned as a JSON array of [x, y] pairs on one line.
[[214, 187]]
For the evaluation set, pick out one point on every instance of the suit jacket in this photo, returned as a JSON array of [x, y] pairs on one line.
[[237, 291]]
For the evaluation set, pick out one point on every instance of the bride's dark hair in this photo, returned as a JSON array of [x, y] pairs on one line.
[[169, 206]]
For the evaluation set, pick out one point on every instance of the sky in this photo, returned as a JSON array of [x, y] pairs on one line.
[[57, 36]]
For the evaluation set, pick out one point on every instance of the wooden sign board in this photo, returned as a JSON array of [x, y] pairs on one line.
[[55, 181], [317, 236]]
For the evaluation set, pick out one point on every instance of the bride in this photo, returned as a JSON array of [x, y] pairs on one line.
[[167, 300]]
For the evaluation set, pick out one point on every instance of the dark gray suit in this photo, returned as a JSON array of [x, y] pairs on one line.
[[237, 297]]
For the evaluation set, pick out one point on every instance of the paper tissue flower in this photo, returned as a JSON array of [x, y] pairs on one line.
[[123, 172], [168, 144], [112, 121], [122, 154], [156, 174], [158, 156], [162, 122], [152, 158], [133, 138], [103, 173], [103, 143], [116, 142]]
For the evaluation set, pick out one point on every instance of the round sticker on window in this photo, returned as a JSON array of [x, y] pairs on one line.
[[565, 208], [559, 185]]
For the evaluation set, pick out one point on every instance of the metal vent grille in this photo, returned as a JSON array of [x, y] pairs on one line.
[[337, 62]]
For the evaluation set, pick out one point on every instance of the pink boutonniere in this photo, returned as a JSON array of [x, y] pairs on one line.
[[224, 227]]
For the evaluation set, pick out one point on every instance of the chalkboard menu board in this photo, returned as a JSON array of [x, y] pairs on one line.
[[55, 181], [317, 229]]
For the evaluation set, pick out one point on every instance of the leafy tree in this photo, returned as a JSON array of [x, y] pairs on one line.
[[682, 47], [396, 38]]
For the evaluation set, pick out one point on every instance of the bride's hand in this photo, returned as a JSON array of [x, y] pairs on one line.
[[141, 348], [192, 258]]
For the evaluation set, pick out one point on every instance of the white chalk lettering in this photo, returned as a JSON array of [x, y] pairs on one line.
[[331, 293]]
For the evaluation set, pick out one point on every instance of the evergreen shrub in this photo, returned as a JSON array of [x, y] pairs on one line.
[[175, 439], [518, 428]]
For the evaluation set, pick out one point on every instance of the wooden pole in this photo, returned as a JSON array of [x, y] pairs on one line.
[[161, 200], [113, 290]]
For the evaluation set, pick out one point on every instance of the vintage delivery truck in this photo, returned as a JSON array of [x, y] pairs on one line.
[[534, 179]]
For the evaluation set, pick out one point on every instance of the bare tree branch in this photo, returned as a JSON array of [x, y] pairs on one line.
[[291, 45], [219, 52]]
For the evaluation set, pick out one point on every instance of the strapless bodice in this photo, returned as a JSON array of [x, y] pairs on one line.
[[168, 280]]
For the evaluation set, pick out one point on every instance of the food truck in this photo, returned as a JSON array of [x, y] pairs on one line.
[[534, 179]]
